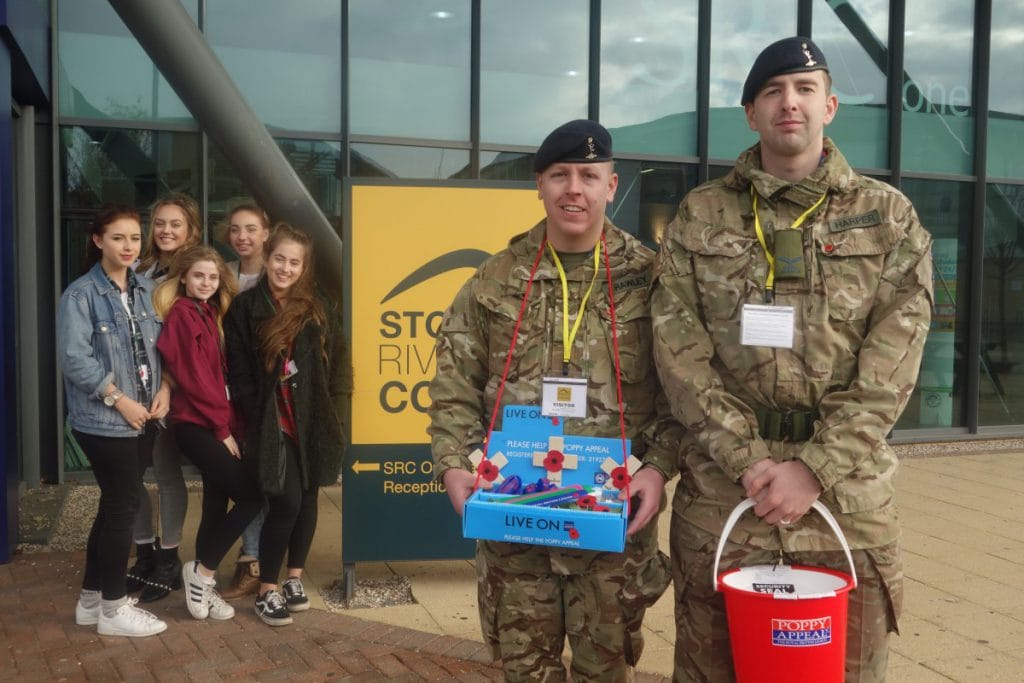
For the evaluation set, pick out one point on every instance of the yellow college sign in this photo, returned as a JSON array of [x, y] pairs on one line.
[[411, 248]]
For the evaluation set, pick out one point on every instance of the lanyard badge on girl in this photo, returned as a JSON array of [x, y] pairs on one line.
[[767, 324], [566, 396]]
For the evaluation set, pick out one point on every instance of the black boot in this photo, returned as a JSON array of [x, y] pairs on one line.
[[164, 578], [145, 562]]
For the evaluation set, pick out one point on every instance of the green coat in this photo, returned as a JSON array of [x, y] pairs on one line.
[[320, 390]]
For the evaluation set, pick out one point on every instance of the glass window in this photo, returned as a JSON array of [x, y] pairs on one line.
[[739, 31], [315, 162], [103, 72], [398, 161], [409, 68], [1006, 96], [284, 57], [649, 74], [944, 208], [506, 166], [129, 166], [648, 197], [1002, 324], [937, 121], [535, 56], [853, 37]]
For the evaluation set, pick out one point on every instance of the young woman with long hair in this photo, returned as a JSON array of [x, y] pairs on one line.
[[192, 302], [106, 332], [174, 225], [247, 230], [288, 372]]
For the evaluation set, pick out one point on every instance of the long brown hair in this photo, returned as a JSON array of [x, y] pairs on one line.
[[299, 306], [189, 207], [172, 289]]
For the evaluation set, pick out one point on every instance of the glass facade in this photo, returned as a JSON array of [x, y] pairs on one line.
[[464, 90], [938, 91]]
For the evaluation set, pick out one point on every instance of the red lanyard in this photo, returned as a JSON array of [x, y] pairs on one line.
[[512, 346]]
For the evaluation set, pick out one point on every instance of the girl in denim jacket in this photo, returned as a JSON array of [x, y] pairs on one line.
[[107, 334]]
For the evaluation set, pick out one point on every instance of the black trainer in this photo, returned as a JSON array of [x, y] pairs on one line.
[[272, 609], [295, 595]]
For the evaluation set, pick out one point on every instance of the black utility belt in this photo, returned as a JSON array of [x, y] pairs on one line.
[[785, 425]]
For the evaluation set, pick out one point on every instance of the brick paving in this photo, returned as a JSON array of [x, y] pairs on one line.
[[39, 641]]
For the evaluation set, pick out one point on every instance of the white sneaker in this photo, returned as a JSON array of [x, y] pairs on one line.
[[86, 616], [129, 620], [218, 608], [197, 591]]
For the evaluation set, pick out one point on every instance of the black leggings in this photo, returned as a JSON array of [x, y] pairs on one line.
[[224, 477], [118, 464], [290, 522]]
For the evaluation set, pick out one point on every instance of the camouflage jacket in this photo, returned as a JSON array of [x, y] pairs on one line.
[[862, 314], [473, 345]]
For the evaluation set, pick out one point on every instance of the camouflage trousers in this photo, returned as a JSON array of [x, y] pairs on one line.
[[702, 651], [531, 598]]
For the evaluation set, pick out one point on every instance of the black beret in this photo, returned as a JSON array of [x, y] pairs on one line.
[[785, 56], [577, 142]]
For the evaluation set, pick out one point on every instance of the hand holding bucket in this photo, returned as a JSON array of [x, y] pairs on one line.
[[786, 623]]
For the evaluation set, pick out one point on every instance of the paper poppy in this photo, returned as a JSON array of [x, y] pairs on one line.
[[574, 534], [487, 470], [620, 477], [553, 461], [587, 502]]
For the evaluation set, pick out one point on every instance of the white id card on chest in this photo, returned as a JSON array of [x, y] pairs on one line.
[[762, 325], [564, 397]]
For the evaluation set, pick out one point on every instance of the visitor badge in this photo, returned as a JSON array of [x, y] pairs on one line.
[[564, 397], [762, 325]]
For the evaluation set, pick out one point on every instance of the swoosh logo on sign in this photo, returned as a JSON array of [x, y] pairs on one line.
[[453, 260]]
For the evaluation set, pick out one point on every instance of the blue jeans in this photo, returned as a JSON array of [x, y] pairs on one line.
[[251, 535]]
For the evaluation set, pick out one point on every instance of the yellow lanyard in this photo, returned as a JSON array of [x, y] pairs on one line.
[[769, 283], [567, 334]]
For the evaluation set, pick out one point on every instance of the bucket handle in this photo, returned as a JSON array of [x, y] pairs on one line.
[[748, 503]]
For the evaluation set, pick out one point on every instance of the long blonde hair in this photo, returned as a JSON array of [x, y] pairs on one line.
[[299, 307], [170, 290], [189, 207]]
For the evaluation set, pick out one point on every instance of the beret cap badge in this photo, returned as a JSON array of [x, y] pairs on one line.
[[807, 53]]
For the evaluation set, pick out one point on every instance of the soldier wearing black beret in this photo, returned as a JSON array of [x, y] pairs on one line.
[[555, 290], [792, 408]]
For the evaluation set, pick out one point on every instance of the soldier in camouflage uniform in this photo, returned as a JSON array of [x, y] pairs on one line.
[[788, 423], [532, 597]]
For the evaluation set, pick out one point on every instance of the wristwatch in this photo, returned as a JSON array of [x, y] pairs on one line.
[[111, 399]]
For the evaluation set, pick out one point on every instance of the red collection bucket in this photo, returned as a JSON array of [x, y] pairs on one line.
[[786, 622]]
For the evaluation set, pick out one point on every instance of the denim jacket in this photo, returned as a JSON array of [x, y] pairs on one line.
[[95, 348]]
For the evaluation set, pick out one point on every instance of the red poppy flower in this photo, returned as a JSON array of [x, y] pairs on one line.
[[553, 461], [487, 470], [574, 534], [586, 502], [602, 508], [620, 477]]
